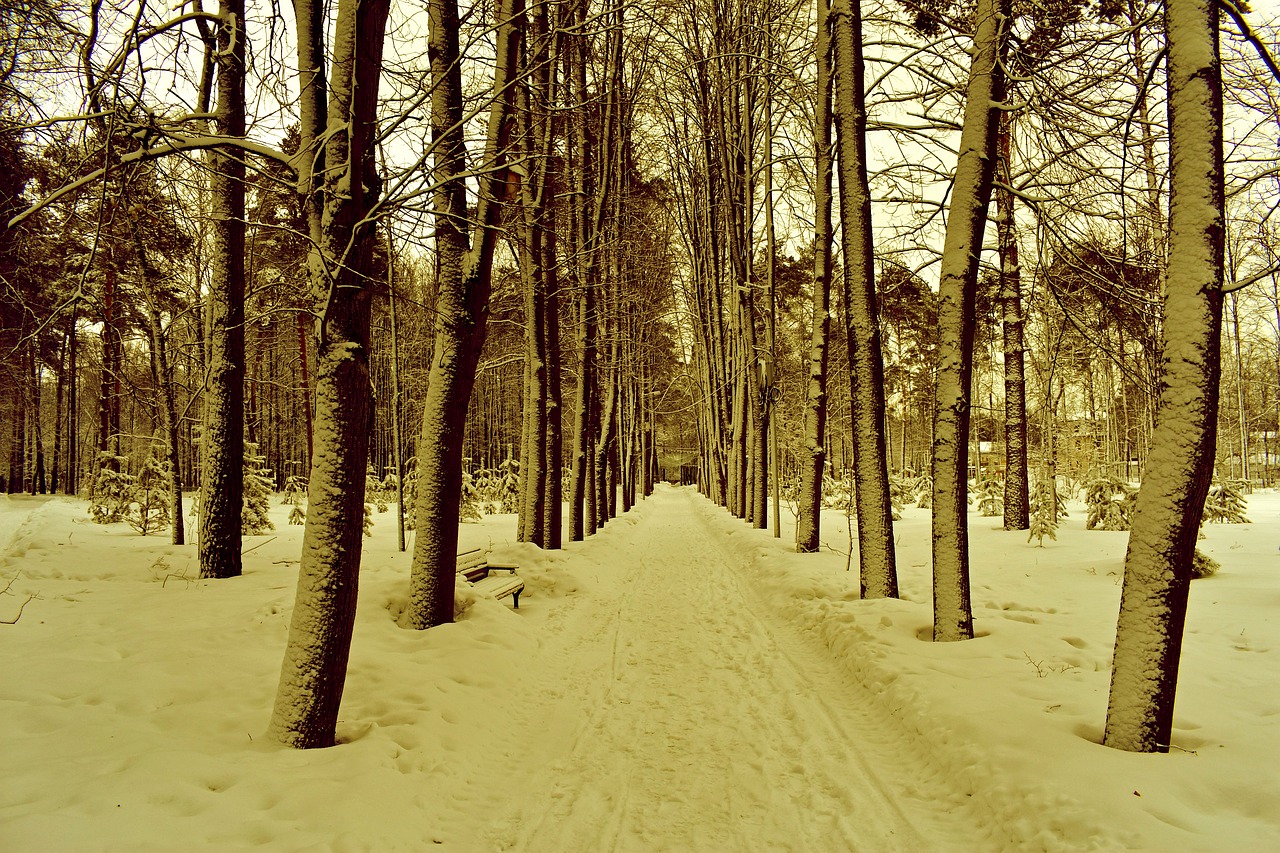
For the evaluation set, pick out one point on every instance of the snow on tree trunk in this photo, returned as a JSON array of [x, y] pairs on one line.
[[966, 222], [815, 416], [314, 669], [222, 439], [876, 558], [1167, 515]]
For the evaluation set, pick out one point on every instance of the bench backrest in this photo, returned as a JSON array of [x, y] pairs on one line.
[[472, 561]]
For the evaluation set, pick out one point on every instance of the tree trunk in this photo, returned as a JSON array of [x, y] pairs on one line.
[[1170, 504], [162, 373], [106, 393], [222, 440], [582, 412], [71, 480], [966, 222], [461, 303], [1017, 508], [59, 395], [1242, 420], [314, 669], [39, 484], [876, 558], [552, 535]]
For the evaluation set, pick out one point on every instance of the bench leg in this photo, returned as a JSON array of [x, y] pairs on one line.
[[515, 597]]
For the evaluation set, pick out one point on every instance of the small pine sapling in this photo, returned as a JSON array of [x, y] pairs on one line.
[[390, 486], [368, 519], [1225, 504], [410, 492], [469, 506], [990, 495], [1044, 513], [924, 491], [151, 507], [295, 495], [1110, 504], [111, 491], [373, 491], [899, 494], [257, 493], [509, 489]]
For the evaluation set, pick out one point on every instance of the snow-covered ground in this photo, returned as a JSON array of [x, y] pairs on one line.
[[681, 682]]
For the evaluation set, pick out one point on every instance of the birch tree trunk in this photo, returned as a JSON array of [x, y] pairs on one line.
[[876, 559], [1157, 568], [814, 457], [462, 301], [314, 669], [222, 439], [966, 222]]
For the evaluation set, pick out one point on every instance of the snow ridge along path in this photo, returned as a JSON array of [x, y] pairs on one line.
[[674, 709]]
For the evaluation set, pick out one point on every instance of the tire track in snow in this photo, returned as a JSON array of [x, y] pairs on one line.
[[678, 713]]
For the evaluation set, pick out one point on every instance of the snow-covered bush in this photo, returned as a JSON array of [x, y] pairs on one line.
[[151, 506], [295, 494], [923, 489], [390, 485], [900, 494], [1202, 565], [111, 489], [257, 493], [496, 490], [837, 493], [1110, 504], [373, 490], [368, 519]]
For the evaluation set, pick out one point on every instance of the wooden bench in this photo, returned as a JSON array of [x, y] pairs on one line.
[[474, 565]]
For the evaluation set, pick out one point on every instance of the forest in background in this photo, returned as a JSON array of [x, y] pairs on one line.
[[806, 249]]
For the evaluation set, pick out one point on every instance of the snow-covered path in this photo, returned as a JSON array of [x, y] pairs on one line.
[[674, 711]]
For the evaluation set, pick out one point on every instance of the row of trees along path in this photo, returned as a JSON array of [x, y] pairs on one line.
[[602, 165]]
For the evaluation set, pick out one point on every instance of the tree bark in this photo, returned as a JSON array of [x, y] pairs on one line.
[[814, 459], [465, 274], [876, 559], [314, 669], [1170, 504], [222, 439], [162, 373], [966, 222], [1017, 507]]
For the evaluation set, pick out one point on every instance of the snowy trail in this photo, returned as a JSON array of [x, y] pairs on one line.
[[673, 711]]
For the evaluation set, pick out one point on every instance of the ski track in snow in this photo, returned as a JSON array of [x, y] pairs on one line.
[[632, 744]]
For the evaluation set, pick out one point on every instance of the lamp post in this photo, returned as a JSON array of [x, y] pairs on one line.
[[768, 396]]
